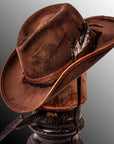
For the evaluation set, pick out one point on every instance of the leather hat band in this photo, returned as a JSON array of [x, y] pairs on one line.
[[48, 79]]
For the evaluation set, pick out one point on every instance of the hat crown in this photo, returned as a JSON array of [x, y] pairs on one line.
[[43, 44]]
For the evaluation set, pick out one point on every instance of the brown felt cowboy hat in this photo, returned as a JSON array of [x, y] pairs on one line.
[[55, 46]]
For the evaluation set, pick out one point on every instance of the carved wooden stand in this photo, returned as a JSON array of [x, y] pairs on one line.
[[57, 127]]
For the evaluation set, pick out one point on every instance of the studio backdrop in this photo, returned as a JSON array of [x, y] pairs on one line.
[[98, 111]]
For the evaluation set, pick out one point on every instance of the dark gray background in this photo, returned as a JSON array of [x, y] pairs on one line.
[[98, 111]]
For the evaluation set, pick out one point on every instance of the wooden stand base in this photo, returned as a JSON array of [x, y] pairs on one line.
[[57, 127], [36, 139]]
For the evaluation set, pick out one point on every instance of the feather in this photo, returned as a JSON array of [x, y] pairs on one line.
[[82, 43]]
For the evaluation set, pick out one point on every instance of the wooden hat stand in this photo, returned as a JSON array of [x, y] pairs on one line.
[[59, 120]]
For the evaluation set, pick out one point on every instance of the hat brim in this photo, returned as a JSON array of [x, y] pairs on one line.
[[23, 97]]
